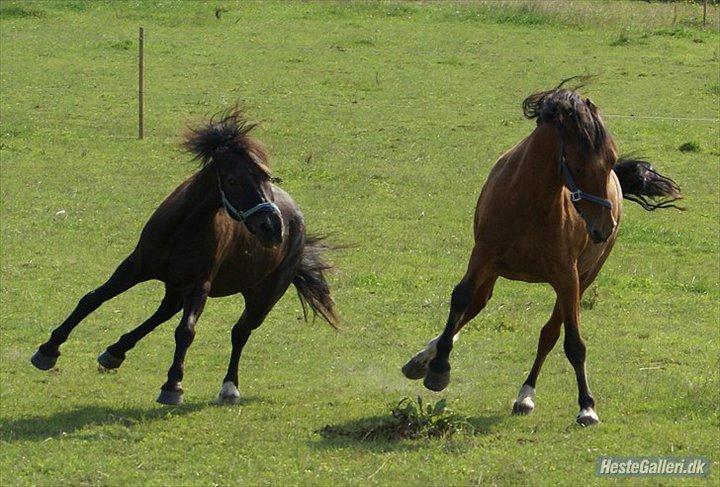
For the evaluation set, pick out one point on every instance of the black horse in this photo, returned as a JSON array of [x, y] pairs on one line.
[[226, 229]]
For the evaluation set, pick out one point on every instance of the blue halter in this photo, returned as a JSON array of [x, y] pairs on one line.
[[240, 215]]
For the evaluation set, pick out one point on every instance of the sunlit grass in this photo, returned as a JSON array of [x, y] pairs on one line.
[[383, 121]]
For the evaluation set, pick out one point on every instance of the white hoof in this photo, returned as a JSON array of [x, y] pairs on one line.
[[587, 417], [229, 394], [524, 403]]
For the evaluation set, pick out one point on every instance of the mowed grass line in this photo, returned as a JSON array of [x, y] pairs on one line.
[[383, 121]]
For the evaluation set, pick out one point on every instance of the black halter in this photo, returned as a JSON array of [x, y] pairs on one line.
[[577, 194]]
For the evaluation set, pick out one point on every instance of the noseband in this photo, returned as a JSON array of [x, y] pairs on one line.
[[240, 215], [577, 194]]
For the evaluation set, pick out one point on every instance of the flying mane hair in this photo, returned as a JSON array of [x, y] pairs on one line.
[[565, 108], [225, 131]]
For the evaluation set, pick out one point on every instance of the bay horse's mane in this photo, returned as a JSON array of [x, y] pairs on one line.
[[565, 108], [226, 131]]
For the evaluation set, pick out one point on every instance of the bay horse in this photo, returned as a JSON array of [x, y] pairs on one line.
[[226, 229], [548, 212]]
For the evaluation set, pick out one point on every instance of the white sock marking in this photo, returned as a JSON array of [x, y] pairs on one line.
[[229, 391], [588, 414], [428, 353], [526, 397]]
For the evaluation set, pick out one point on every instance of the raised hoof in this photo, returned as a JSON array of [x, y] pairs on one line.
[[170, 398], [415, 369], [229, 394], [587, 417], [436, 381], [108, 361], [523, 407], [43, 362]]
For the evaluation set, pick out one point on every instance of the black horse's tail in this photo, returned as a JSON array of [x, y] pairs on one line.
[[312, 288], [642, 184]]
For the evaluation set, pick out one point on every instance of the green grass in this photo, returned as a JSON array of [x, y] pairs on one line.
[[383, 121]]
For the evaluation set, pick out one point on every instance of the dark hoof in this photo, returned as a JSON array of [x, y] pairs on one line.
[[170, 398], [43, 362], [415, 369], [108, 361], [436, 381]]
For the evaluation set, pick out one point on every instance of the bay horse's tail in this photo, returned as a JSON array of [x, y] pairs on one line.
[[312, 288], [642, 184]]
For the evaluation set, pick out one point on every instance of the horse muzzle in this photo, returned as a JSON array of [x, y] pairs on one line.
[[599, 233]]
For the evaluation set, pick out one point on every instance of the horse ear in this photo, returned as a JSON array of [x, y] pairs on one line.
[[590, 105]]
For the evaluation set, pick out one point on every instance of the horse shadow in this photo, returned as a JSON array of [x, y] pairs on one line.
[[62, 423], [366, 433]]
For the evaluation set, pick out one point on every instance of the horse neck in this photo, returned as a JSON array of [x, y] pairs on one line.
[[537, 176], [201, 197]]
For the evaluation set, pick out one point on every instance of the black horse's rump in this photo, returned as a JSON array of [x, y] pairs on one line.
[[642, 184]]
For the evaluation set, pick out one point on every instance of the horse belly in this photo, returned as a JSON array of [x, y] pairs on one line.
[[238, 274], [522, 267], [523, 258], [520, 276]]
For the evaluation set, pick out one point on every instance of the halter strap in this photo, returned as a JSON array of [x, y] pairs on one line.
[[240, 215], [577, 194]]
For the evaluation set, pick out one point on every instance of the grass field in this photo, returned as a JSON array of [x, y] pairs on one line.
[[383, 121]]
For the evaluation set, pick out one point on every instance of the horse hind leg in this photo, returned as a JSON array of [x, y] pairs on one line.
[[114, 355], [124, 277]]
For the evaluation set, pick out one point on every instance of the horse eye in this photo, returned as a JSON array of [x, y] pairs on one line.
[[231, 181]]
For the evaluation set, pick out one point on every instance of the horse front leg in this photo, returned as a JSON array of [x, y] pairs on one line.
[[124, 277], [258, 304], [171, 393], [525, 402], [417, 366], [468, 299], [239, 336], [568, 293]]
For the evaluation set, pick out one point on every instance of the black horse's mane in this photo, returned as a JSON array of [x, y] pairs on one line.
[[226, 131], [566, 108]]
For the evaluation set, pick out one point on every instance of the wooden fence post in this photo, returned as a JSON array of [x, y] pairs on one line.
[[141, 81]]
